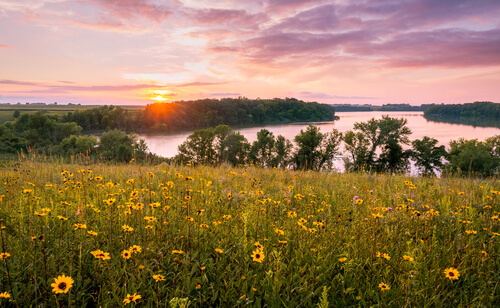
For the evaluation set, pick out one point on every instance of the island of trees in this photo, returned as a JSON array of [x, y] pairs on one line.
[[484, 114]]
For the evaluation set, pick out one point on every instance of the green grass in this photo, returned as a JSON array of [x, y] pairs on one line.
[[307, 223]]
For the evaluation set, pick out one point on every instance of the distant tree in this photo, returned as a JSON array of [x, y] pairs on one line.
[[214, 146], [356, 147], [428, 157], [315, 150], [78, 145], [16, 114], [117, 145], [262, 150], [282, 149], [472, 157], [386, 135]]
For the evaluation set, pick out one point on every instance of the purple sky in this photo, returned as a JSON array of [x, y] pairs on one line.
[[361, 52]]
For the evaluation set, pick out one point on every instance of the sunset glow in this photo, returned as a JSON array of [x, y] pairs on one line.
[[332, 51]]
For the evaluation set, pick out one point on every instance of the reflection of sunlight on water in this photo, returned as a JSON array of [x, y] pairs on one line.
[[166, 145]]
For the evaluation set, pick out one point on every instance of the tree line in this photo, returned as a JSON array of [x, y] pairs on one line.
[[202, 113], [380, 146], [476, 110], [46, 133]]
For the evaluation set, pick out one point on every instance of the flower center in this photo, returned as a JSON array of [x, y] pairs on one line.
[[62, 285], [451, 274]]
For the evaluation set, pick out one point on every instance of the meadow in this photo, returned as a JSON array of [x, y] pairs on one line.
[[105, 235]]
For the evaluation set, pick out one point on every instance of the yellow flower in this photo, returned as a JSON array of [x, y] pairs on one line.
[[92, 233], [4, 295], [451, 273], [342, 259], [62, 284], [177, 252], [470, 232], [4, 255], [258, 256], [408, 258], [198, 286], [127, 228], [383, 286], [98, 178], [99, 254], [126, 254], [158, 278], [62, 218], [219, 250], [131, 298], [258, 245], [80, 226], [359, 201], [135, 249]]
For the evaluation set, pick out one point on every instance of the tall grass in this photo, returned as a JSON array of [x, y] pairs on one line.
[[327, 239]]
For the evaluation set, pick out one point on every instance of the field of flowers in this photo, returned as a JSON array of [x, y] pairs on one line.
[[172, 236]]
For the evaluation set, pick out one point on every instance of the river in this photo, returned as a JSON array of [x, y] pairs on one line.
[[166, 145]]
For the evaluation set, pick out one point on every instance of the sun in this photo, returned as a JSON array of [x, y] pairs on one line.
[[159, 98]]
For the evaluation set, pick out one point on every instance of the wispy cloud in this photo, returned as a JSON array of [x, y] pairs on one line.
[[320, 95]]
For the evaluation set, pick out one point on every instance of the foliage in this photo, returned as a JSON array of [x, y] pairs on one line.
[[473, 157], [327, 237], [316, 150], [117, 145], [386, 135], [268, 151], [428, 156]]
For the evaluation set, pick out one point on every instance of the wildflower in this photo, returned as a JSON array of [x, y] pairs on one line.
[[189, 218], [218, 250], [131, 298], [484, 253], [127, 228], [135, 249], [80, 226], [4, 255], [377, 215], [383, 286], [342, 260], [99, 254], [258, 256], [126, 254], [359, 201], [202, 268], [451, 273], [150, 218], [198, 286], [177, 252], [158, 278], [470, 232], [408, 258], [62, 284], [39, 214], [279, 232], [92, 233], [4, 295], [98, 178], [258, 245], [292, 214], [200, 211]]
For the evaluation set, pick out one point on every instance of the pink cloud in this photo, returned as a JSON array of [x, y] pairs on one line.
[[5, 46], [130, 9]]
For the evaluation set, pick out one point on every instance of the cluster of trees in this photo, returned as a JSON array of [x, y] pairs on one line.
[[46, 133], [381, 145], [385, 107], [203, 113], [478, 110]]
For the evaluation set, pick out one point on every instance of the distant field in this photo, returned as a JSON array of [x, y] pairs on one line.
[[7, 111]]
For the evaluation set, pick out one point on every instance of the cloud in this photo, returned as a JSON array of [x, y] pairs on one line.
[[5, 46], [199, 84], [131, 9], [210, 16], [225, 94], [307, 94]]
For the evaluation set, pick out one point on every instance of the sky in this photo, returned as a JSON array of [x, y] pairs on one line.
[[139, 52]]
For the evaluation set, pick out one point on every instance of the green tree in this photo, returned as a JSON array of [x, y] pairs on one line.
[[315, 150], [78, 145], [262, 150], [356, 147], [117, 145], [427, 156], [472, 157], [387, 136]]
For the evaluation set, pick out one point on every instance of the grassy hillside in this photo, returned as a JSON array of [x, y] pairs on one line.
[[246, 236]]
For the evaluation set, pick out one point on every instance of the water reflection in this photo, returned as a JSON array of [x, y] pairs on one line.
[[166, 145]]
